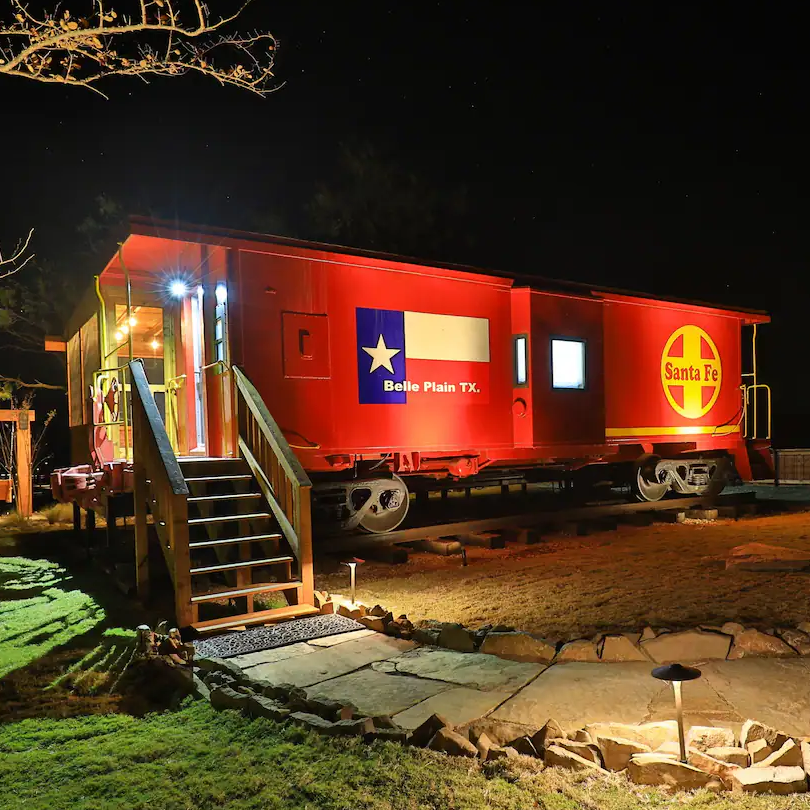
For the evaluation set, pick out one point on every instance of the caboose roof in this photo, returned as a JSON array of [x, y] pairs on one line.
[[140, 245]]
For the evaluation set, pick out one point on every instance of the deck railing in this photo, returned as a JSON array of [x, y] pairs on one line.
[[159, 488], [282, 479]]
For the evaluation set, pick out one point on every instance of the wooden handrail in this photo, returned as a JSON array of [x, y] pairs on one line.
[[280, 476], [269, 428], [159, 487], [156, 434]]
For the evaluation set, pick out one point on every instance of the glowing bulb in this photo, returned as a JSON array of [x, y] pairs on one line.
[[132, 321], [119, 335], [221, 293], [154, 344], [178, 289], [125, 329]]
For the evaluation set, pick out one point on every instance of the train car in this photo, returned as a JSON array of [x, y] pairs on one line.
[[383, 373], [234, 385]]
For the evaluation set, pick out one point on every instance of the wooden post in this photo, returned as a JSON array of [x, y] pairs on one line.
[[305, 539], [24, 492], [140, 493], [77, 517], [178, 533]]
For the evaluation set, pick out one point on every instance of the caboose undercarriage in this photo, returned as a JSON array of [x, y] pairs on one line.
[[378, 501]]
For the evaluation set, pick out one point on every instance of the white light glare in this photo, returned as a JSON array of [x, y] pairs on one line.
[[221, 293], [178, 289]]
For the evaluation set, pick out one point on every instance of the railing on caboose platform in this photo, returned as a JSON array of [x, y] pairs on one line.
[[281, 478]]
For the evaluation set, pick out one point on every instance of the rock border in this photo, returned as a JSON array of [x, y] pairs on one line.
[[661, 645], [761, 760]]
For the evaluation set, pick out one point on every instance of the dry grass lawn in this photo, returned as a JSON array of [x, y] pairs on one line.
[[568, 587]]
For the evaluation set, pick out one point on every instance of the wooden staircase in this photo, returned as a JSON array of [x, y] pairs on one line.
[[237, 550], [230, 529]]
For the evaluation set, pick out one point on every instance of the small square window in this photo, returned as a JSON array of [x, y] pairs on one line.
[[568, 363]]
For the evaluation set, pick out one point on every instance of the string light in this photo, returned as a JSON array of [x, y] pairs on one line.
[[155, 345]]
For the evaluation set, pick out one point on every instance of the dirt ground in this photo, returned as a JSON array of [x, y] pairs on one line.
[[664, 575]]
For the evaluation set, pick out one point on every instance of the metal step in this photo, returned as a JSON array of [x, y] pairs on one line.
[[251, 589], [233, 496], [260, 617], [227, 518], [210, 569], [230, 541], [211, 479]]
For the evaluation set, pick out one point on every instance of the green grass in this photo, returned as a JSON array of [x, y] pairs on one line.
[[195, 759], [39, 611]]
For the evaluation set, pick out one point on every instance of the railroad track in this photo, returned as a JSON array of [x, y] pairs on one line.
[[546, 518]]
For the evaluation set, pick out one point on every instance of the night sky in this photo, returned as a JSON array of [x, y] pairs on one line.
[[656, 148]]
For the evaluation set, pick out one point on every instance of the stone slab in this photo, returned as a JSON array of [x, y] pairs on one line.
[[459, 706], [775, 691], [475, 670], [577, 693], [376, 693], [331, 662], [340, 638], [253, 659]]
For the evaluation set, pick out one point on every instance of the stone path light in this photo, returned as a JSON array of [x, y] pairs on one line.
[[353, 574], [676, 674]]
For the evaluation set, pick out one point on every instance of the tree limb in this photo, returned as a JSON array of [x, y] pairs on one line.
[[56, 47], [36, 384], [18, 259]]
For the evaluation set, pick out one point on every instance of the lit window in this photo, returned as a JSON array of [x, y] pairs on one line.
[[568, 364], [521, 360]]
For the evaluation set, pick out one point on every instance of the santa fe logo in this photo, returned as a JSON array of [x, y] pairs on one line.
[[691, 371], [408, 355]]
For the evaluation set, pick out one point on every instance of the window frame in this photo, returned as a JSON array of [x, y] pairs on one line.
[[568, 339]]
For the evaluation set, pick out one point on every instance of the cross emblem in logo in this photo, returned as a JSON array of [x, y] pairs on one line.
[[691, 371]]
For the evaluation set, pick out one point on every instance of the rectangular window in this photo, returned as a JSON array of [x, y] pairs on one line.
[[521, 360], [567, 363]]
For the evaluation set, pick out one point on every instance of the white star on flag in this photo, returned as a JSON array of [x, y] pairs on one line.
[[381, 356]]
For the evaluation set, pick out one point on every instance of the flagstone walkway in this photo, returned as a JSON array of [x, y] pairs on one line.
[[388, 676]]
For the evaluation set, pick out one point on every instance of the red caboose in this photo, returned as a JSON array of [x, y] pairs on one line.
[[377, 373]]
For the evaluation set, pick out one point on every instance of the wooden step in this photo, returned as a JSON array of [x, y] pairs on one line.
[[227, 518], [260, 617], [233, 496], [213, 479], [210, 569], [230, 541], [248, 591]]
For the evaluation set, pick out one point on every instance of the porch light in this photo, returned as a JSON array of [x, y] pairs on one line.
[[221, 293], [125, 329], [119, 336], [133, 321], [675, 674], [155, 345], [178, 288]]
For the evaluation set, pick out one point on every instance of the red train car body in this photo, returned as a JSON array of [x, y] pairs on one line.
[[380, 370]]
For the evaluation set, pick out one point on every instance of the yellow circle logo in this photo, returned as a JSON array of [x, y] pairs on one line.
[[691, 372]]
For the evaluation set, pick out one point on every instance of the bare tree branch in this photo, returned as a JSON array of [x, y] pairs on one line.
[[17, 383], [18, 259], [161, 38]]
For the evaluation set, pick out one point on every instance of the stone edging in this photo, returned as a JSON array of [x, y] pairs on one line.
[[730, 641], [761, 760]]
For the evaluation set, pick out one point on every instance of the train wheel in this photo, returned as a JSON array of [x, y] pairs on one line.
[[720, 474], [386, 506], [645, 483]]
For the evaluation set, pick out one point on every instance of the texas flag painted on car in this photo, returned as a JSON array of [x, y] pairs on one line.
[[404, 356]]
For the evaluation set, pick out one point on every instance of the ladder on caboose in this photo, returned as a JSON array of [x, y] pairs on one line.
[[230, 529]]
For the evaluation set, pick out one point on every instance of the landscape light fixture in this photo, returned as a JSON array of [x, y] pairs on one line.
[[676, 674], [178, 288], [353, 574], [221, 293]]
